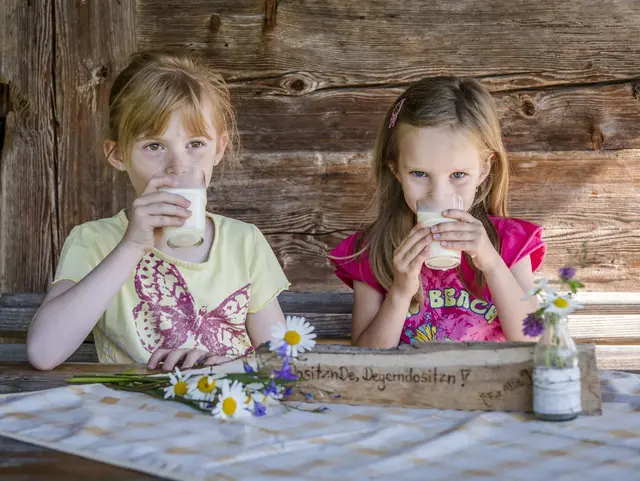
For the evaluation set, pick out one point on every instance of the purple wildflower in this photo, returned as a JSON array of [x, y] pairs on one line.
[[259, 409], [285, 373], [309, 396], [271, 389], [282, 350], [248, 368], [566, 273], [533, 325], [288, 391]]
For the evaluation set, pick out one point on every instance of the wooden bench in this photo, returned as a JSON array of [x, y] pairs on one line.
[[609, 320]]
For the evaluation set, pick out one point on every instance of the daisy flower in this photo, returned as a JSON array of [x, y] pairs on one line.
[[542, 287], [293, 338], [561, 305], [232, 401], [259, 395], [179, 385], [251, 390], [203, 388]]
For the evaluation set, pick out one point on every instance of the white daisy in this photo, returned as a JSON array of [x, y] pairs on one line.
[[203, 388], [561, 305], [179, 385], [251, 390], [297, 335], [542, 287], [256, 393], [232, 401], [267, 399]]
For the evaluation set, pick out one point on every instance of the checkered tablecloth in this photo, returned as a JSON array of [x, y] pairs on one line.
[[347, 442]]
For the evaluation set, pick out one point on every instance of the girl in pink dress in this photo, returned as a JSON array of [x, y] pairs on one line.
[[441, 137]]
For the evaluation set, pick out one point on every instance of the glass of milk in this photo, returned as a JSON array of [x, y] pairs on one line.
[[190, 184], [429, 211]]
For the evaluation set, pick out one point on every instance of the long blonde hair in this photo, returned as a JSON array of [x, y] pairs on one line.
[[432, 102], [154, 84]]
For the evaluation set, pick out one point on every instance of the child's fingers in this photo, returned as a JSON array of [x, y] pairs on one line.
[[166, 209], [455, 236], [156, 183], [460, 215], [157, 221], [416, 236], [173, 358], [157, 357], [464, 246], [416, 228], [421, 258], [417, 249], [215, 360], [161, 197], [453, 226], [194, 356]]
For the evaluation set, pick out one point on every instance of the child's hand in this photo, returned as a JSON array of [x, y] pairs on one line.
[[155, 209], [467, 235], [408, 260], [170, 358]]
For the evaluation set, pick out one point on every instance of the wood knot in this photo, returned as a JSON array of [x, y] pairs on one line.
[[214, 23], [528, 107], [99, 73], [636, 91], [298, 84], [270, 14], [597, 138]]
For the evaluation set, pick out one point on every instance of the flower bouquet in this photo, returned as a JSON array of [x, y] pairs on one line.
[[556, 373], [230, 395]]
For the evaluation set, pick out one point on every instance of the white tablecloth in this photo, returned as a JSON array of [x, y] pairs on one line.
[[348, 442]]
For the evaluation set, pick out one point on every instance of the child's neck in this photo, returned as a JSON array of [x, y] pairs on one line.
[[198, 254]]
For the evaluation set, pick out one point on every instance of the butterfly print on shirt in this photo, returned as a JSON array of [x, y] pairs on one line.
[[167, 316]]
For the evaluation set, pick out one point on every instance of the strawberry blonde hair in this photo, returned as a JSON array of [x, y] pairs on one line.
[[465, 105], [154, 85]]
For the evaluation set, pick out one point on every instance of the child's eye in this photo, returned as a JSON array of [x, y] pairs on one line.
[[419, 174], [458, 175], [196, 144], [153, 147]]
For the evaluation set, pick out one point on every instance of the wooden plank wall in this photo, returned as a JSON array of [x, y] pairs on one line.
[[311, 82]]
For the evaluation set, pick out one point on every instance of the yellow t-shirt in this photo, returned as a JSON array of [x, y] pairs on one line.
[[169, 303]]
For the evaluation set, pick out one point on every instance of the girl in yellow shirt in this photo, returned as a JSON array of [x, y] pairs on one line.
[[145, 301]]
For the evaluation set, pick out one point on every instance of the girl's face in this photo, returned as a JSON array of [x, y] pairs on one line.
[[171, 152], [438, 160]]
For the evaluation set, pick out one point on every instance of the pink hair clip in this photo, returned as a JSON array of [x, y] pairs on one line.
[[394, 114]]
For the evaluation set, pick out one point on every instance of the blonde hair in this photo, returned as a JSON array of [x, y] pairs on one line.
[[432, 102], [154, 85]]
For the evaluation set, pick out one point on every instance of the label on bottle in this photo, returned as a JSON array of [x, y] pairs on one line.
[[556, 391]]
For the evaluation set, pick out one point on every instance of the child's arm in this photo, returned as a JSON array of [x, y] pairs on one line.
[[259, 323], [70, 310], [508, 288], [377, 319]]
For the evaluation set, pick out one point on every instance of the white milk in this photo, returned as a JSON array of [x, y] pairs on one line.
[[439, 258], [192, 232]]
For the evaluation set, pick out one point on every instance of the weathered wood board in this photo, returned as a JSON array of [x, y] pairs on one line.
[[469, 376]]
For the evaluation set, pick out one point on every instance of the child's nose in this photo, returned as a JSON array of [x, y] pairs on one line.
[[176, 164], [441, 189]]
